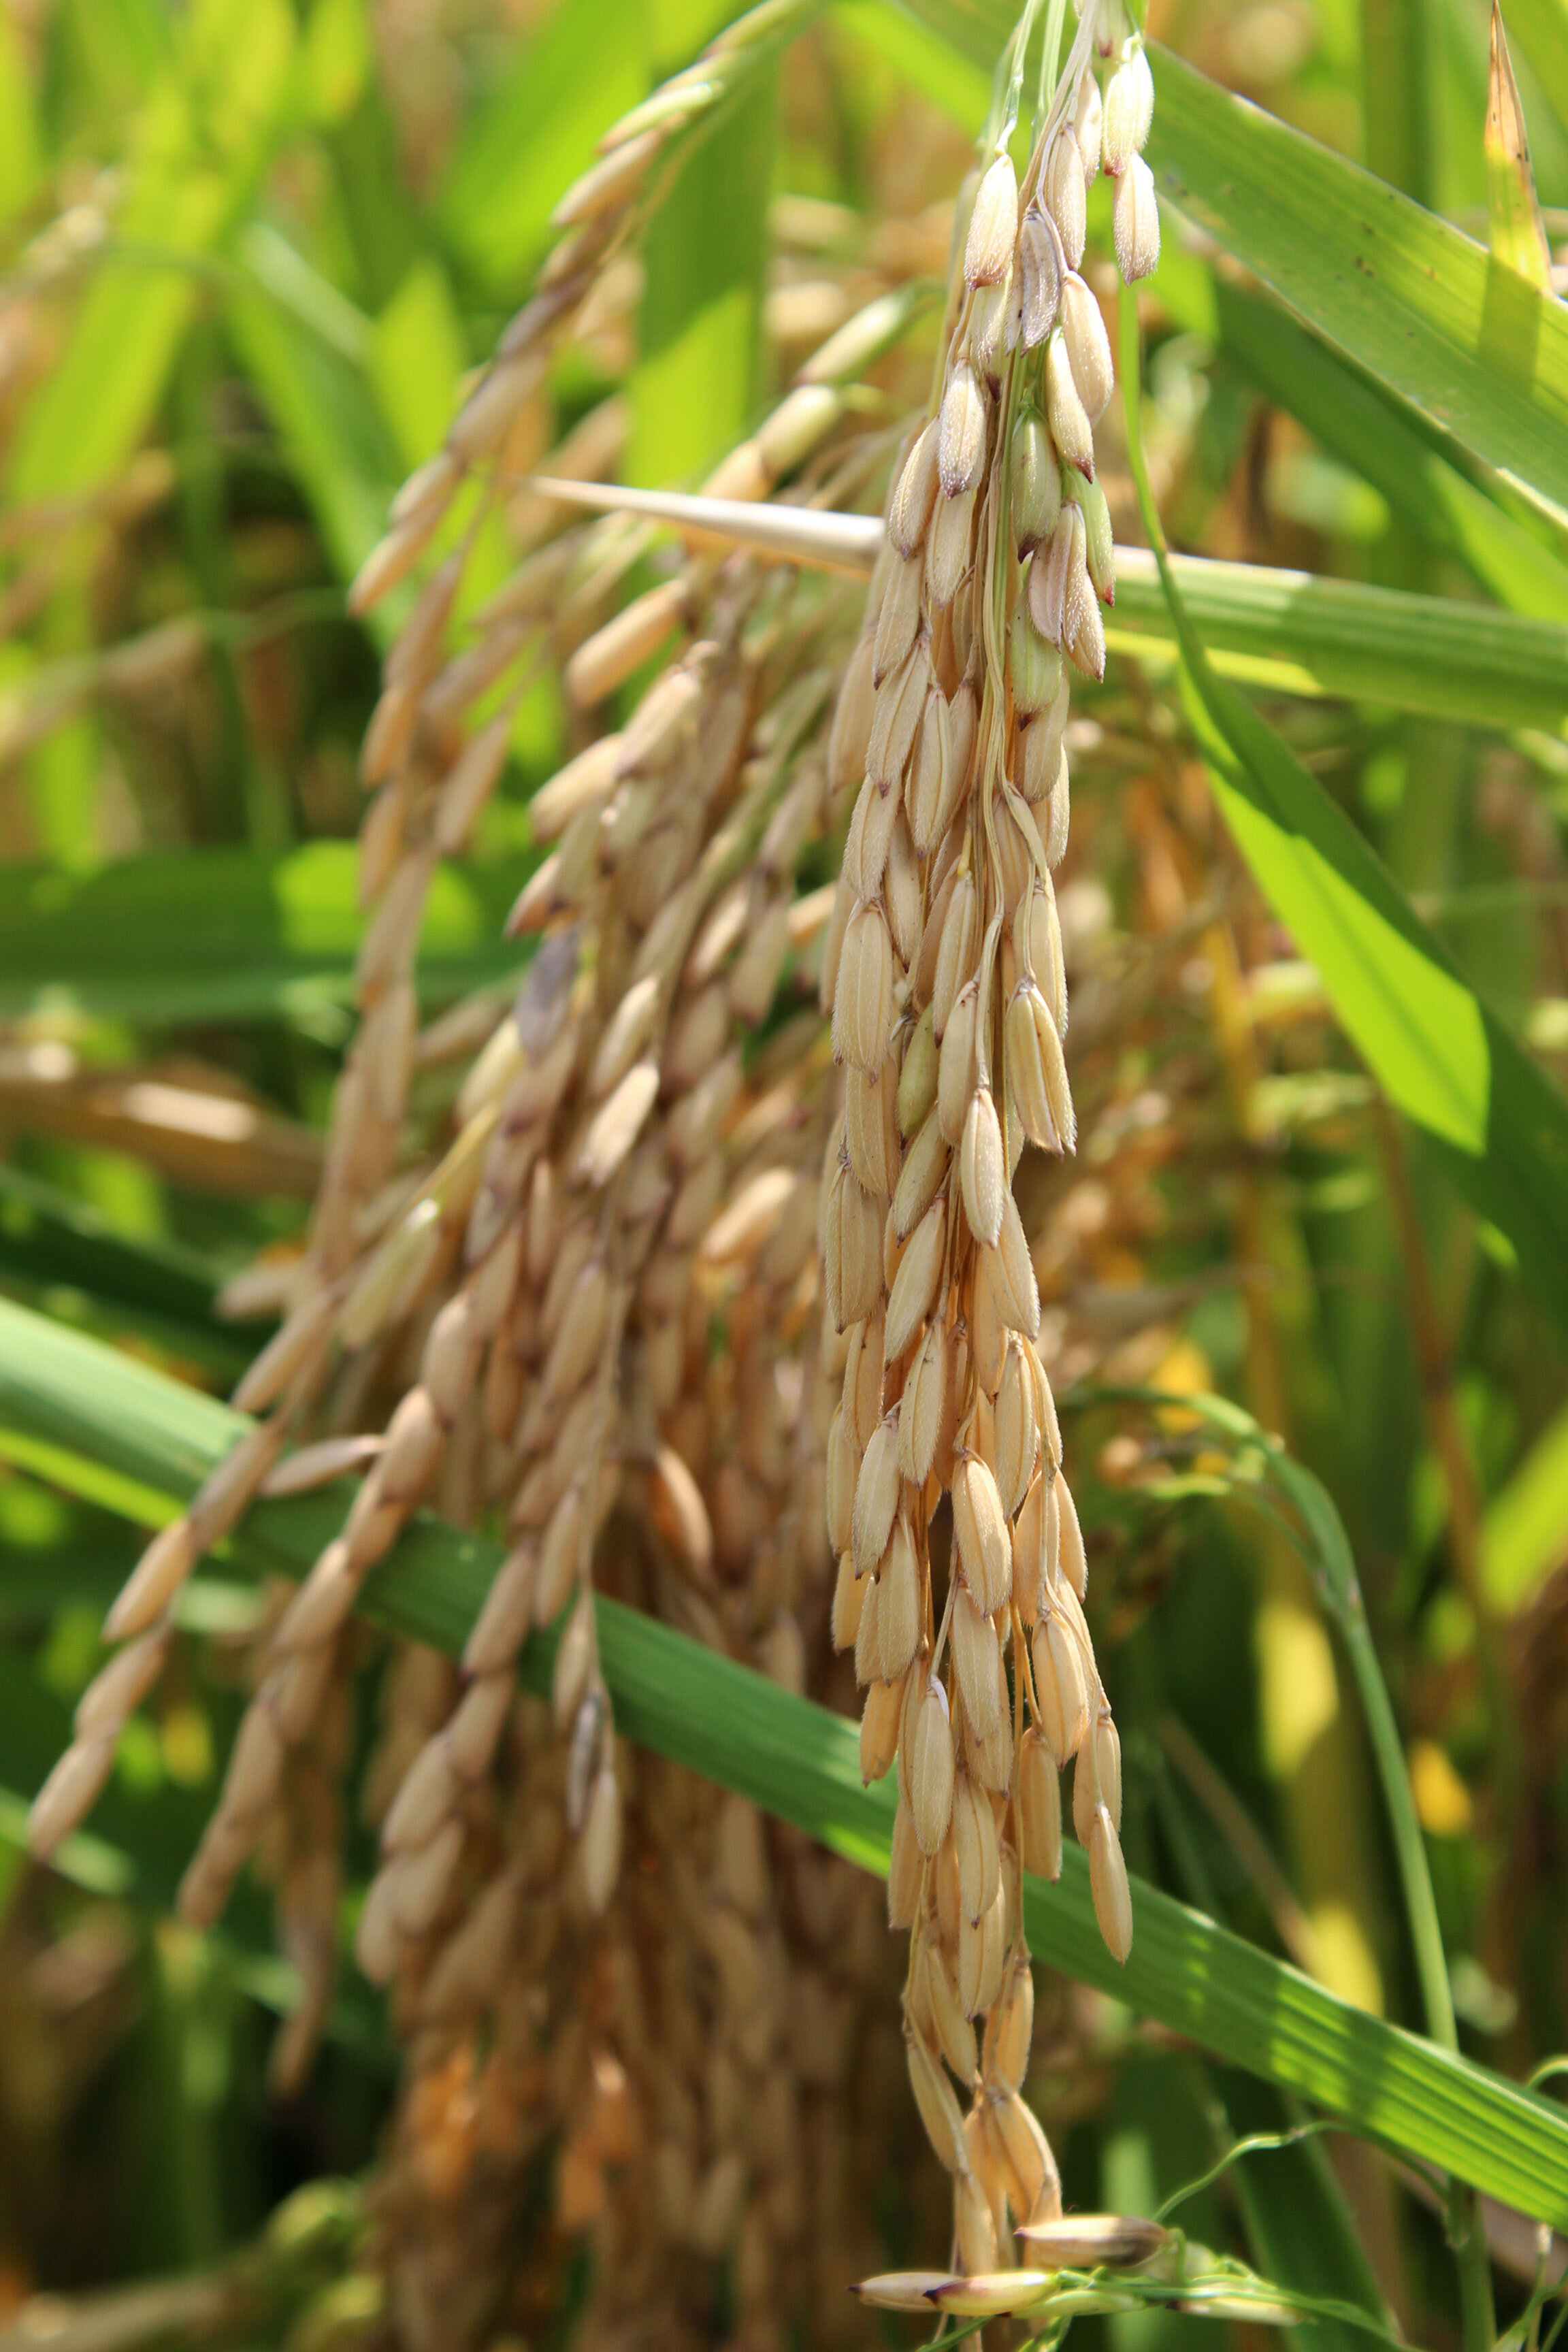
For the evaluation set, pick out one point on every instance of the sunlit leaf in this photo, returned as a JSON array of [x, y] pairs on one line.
[[796, 1760]]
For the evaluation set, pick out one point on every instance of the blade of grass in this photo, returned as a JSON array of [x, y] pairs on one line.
[[1295, 632], [194, 167], [1514, 227], [1438, 1053], [50, 1241], [223, 935], [705, 253], [1300, 375], [705, 1711]]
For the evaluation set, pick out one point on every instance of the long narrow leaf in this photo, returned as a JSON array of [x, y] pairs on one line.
[[89, 1406], [1438, 1053], [223, 935]]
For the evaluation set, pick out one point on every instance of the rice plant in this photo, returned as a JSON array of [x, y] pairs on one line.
[[731, 1390]]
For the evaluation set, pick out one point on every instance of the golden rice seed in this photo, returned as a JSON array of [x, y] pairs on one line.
[[939, 2109], [1087, 122], [1050, 573], [955, 2032], [1010, 2031], [1013, 1271], [560, 1556], [866, 1365], [1020, 853], [427, 1794], [1058, 817], [626, 1034], [901, 707], [849, 736], [1129, 108], [971, 1965], [390, 560], [154, 1581], [905, 1869], [602, 1840], [1060, 1683], [992, 226], [119, 1688], [1033, 664], [1071, 428], [948, 548], [616, 1125], [483, 419], [1024, 1065], [68, 1793], [1033, 2183], [880, 1729], [941, 1899], [849, 1593], [876, 1495], [1067, 195], [1086, 647], [844, 902], [980, 1526], [964, 709], [993, 329], [1017, 1437], [991, 1758], [923, 1407], [1072, 1558], [608, 659], [987, 1334], [974, 1845], [574, 1656], [1108, 1885], [1036, 489], [963, 422], [1099, 545], [922, 1177], [698, 1035], [863, 1007], [1107, 1745], [256, 1761], [1038, 1807], [975, 1654], [1042, 265], [843, 1467], [996, 1940], [1043, 756], [754, 979], [914, 1289], [508, 1610], [930, 1768], [869, 837], [581, 1335], [899, 619], [925, 785], [860, 1254], [1029, 1548], [870, 1125], [955, 1070], [909, 509], [867, 1636], [1136, 222], [958, 951], [899, 1605], [917, 1077], [981, 1174], [975, 2229], [901, 892]]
